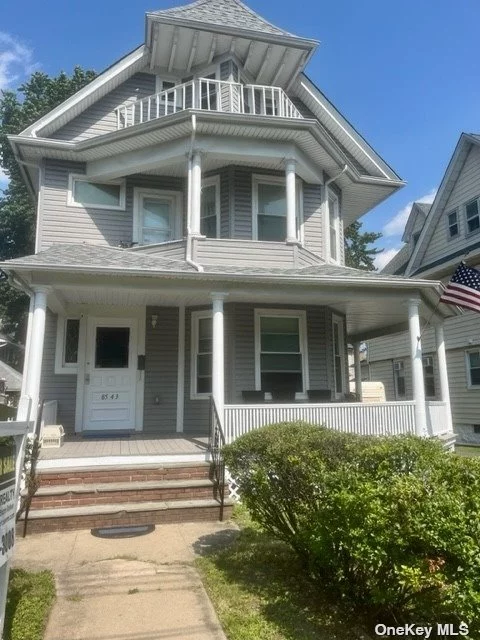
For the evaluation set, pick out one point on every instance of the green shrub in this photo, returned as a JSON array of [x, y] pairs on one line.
[[30, 598], [392, 524]]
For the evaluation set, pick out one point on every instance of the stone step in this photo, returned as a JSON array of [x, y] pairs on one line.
[[57, 496], [126, 473], [138, 513]]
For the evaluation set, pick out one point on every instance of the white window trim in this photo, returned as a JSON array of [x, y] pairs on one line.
[[138, 193], [258, 178], [208, 182], [60, 366], [196, 317], [343, 353], [475, 231], [81, 177], [467, 366], [398, 397], [330, 194], [301, 314]]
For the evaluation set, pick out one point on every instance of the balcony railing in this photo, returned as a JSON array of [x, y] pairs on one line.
[[209, 95]]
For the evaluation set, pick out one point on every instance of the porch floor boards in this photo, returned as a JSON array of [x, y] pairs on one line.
[[136, 445]]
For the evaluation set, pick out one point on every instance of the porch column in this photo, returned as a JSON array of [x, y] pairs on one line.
[[218, 354], [195, 194], [442, 369], [417, 368], [290, 166], [33, 366], [358, 371]]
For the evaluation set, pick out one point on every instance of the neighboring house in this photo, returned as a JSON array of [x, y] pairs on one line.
[[191, 207], [437, 239], [11, 352], [10, 385]]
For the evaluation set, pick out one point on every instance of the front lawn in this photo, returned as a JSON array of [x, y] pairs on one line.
[[30, 599], [467, 450], [260, 591]]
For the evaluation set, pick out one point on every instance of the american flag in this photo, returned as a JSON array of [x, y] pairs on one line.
[[464, 288]]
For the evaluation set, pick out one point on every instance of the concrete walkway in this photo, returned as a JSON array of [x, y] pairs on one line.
[[143, 588]]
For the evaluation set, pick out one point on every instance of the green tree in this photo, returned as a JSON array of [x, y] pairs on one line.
[[358, 252], [18, 109]]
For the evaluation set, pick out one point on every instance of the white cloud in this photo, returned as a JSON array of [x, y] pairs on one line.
[[396, 225], [16, 60], [3, 179], [383, 258]]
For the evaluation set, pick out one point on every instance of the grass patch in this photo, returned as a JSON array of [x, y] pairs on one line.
[[30, 599], [259, 590], [467, 451]]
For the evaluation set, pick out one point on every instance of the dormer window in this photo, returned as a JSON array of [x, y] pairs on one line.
[[452, 219]]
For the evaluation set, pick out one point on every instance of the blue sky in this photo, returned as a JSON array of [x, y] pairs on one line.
[[405, 74]]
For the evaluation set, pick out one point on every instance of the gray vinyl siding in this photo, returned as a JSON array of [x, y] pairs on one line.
[[63, 387], [242, 190], [243, 253], [226, 209], [313, 218], [466, 188], [161, 365], [60, 223], [101, 118]]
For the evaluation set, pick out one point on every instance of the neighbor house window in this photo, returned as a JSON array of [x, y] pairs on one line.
[[473, 216], [156, 216], [66, 355], [339, 355], [99, 195], [281, 351], [334, 226], [270, 209], [473, 368], [428, 376], [452, 219], [399, 379], [210, 208], [201, 351]]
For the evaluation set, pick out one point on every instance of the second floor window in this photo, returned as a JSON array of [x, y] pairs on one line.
[[452, 224], [210, 208], [473, 216], [156, 216], [270, 209], [334, 227], [97, 195]]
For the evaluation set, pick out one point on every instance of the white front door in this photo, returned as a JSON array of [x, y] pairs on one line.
[[110, 374]]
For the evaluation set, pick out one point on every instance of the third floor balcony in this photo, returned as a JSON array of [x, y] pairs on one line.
[[209, 95]]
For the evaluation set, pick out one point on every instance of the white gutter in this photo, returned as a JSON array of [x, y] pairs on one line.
[[188, 256]]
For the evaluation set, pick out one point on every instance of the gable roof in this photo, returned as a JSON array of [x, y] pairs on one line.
[[449, 180], [419, 209], [397, 265], [222, 12]]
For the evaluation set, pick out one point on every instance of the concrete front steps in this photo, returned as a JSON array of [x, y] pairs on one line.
[[84, 498]]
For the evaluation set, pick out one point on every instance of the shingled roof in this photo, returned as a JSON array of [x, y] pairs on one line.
[[222, 13]]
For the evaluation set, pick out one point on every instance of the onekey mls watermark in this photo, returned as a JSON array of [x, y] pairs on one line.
[[438, 630]]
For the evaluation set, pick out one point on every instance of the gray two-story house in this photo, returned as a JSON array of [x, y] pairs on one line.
[[191, 207]]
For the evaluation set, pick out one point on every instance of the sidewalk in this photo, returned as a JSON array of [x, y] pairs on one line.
[[143, 588]]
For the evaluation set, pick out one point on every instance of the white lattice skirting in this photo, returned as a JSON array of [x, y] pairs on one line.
[[232, 487]]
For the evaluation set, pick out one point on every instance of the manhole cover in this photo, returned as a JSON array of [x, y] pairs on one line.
[[123, 532]]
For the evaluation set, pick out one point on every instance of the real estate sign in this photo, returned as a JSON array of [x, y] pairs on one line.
[[7, 501]]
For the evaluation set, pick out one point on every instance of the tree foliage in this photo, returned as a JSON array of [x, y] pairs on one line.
[[358, 252], [19, 109]]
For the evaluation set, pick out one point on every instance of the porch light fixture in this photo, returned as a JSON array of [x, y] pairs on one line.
[[154, 320]]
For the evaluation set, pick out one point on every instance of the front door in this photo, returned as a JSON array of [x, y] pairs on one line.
[[110, 374]]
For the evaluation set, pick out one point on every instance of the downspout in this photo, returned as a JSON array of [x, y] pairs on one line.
[[330, 180], [188, 257]]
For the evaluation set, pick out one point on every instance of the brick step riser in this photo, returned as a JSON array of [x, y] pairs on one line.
[[194, 514], [112, 497], [101, 477]]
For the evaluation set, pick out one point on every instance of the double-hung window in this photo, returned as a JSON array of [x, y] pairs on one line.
[[210, 208], [428, 376], [473, 216], [156, 216], [452, 220], [399, 379], [66, 351], [201, 354], [270, 209], [281, 351], [333, 226], [98, 195], [473, 367]]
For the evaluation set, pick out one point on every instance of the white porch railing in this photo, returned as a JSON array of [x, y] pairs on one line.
[[437, 418], [388, 418], [209, 95]]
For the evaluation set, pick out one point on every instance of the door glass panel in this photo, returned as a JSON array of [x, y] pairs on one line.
[[157, 220], [111, 347]]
